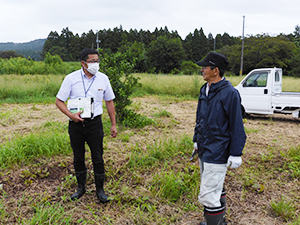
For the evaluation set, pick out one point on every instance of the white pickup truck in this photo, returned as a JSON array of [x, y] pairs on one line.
[[261, 93]]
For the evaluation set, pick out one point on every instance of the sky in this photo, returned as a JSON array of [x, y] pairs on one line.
[[28, 20]]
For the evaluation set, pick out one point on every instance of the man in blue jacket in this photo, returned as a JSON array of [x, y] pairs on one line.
[[219, 135]]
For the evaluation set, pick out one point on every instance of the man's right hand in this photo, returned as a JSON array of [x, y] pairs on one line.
[[195, 146], [195, 151], [234, 161], [76, 117], [63, 108]]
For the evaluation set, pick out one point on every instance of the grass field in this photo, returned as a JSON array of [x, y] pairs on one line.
[[148, 173], [43, 88]]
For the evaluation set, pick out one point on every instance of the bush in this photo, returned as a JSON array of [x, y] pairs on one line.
[[119, 71], [53, 64], [189, 68], [53, 59], [135, 120]]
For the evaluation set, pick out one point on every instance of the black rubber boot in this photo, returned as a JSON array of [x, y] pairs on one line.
[[223, 202], [81, 180], [99, 181], [214, 216]]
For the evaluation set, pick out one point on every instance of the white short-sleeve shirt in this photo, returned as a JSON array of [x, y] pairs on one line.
[[78, 85]]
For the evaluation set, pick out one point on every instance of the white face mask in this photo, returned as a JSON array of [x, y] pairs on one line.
[[92, 68]]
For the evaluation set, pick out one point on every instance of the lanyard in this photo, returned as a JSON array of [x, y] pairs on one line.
[[86, 91]]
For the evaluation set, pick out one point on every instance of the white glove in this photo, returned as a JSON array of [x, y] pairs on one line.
[[234, 161], [195, 151]]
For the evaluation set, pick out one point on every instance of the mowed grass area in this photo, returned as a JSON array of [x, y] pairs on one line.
[[149, 175]]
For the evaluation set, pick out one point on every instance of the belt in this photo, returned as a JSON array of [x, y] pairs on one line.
[[91, 119]]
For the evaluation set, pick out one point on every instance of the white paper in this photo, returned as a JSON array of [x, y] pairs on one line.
[[86, 105]]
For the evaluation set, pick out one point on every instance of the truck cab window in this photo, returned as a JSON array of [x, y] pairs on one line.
[[256, 80], [277, 77]]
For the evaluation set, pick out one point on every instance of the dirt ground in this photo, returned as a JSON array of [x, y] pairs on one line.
[[246, 206]]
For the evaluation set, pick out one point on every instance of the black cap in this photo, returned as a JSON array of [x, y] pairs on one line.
[[214, 59]]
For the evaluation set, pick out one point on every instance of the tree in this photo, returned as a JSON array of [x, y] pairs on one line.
[[196, 45], [122, 81], [203, 44], [53, 39], [56, 50], [166, 54], [297, 36], [9, 54], [136, 54], [66, 37], [211, 42], [261, 51], [294, 64], [75, 47], [226, 39]]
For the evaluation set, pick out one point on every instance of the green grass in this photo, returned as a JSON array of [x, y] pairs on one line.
[[283, 209], [174, 85], [145, 176], [43, 88], [51, 139], [29, 88], [294, 165]]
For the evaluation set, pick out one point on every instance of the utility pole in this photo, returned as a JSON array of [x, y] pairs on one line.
[[215, 43], [242, 55], [97, 40]]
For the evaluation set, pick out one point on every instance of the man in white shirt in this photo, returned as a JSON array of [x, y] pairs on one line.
[[88, 83]]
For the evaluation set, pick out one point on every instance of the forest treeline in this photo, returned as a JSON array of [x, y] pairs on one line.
[[164, 51], [160, 51]]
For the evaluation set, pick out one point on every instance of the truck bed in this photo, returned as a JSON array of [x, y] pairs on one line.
[[286, 102]]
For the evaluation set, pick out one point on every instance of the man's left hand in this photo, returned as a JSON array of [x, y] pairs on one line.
[[113, 131], [234, 161]]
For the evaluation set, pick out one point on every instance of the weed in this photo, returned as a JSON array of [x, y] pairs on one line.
[[297, 222], [283, 209], [132, 119], [125, 137], [294, 165], [49, 214], [171, 186], [163, 113], [250, 130]]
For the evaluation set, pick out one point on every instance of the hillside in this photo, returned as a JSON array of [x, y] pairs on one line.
[[32, 48]]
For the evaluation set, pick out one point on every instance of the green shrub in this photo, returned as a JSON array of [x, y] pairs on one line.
[[135, 120], [52, 59], [189, 68], [119, 71]]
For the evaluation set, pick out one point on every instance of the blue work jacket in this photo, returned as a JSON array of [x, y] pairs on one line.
[[219, 130]]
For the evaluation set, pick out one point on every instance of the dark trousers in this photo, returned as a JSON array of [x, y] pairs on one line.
[[91, 132]]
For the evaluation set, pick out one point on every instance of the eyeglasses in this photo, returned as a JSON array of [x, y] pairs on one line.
[[96, 61], [206, 67]]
